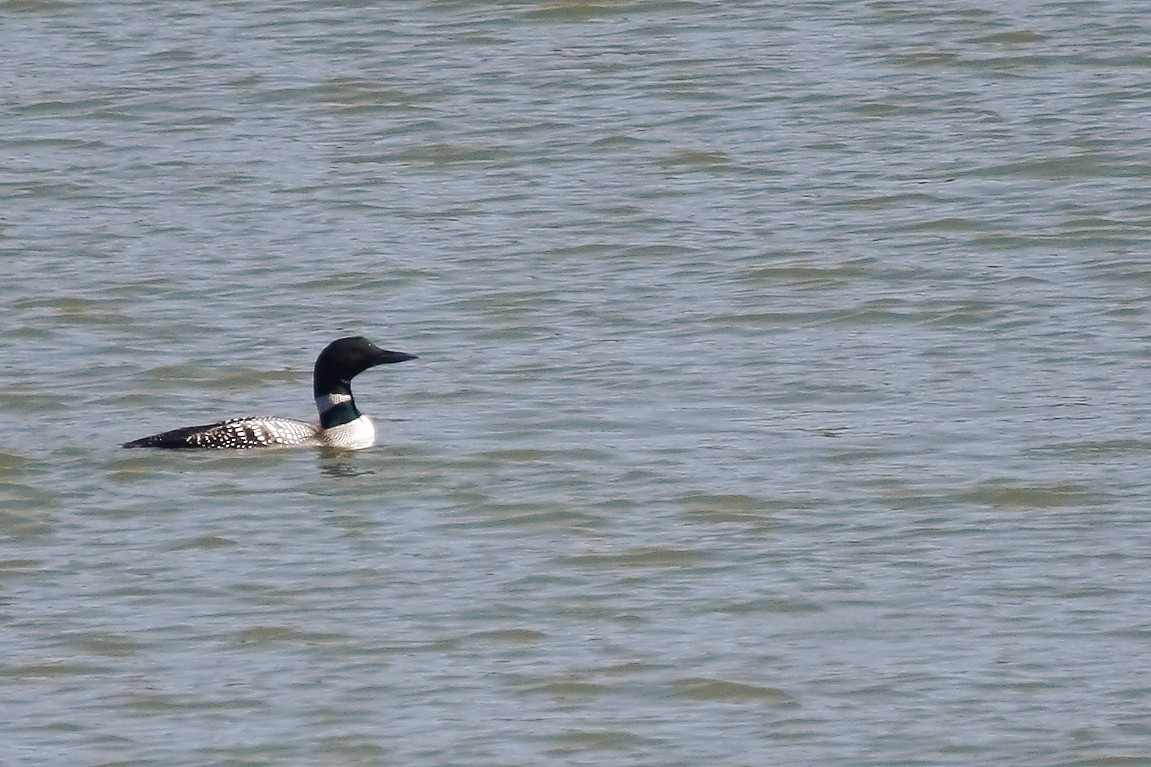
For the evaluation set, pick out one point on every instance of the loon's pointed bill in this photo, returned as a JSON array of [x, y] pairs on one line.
[[387, 357], [341, 424]]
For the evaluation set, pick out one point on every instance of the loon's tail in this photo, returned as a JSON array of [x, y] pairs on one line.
[[176, 438]]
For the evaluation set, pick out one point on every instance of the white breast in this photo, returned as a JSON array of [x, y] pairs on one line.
[[354, 435]]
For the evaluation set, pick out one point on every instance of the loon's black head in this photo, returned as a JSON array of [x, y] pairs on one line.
[[344, 359]]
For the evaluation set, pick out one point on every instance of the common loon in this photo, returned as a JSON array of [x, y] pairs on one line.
[[341, 424]]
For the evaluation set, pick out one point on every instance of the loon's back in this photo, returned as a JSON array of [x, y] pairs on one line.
[[236, 433], [341, 423]]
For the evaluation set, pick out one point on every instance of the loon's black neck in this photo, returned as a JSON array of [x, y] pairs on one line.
[[336, 407]]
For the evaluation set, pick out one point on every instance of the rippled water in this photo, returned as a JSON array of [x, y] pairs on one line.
[[782, 394]]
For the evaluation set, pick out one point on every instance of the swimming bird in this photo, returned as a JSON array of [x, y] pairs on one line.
[[341, 424]]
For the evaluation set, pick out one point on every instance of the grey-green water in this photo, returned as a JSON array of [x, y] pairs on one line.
[[783, 392]]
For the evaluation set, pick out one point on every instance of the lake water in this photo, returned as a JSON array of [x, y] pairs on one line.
[[784, 391]]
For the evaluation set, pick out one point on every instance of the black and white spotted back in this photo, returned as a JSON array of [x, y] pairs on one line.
[[236, 433]]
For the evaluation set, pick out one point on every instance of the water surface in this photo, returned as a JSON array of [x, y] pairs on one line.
[[782, 392]]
